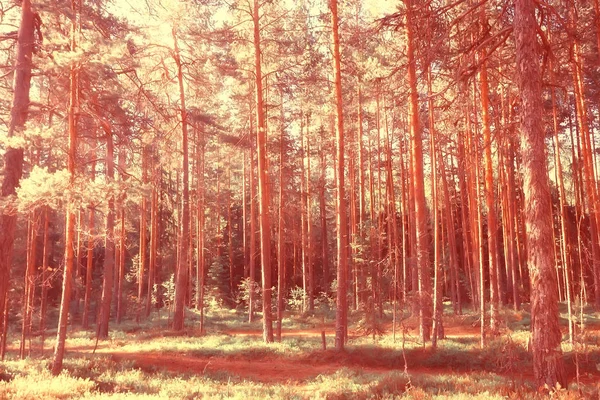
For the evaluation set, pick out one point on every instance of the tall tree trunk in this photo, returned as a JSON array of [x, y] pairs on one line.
[[392, 223], [63, 319], [546, 336], [280, 239], [28, 303], [154, 233], [424, 278], [229, 235], [252, 258], [467, 236], [109, 241], [29, 283], [404, 220], [303, 219], [90, 254], [341, 320], [44, 284], [309, 231], [449, 215], [475, 218], [200, 251], [122, 237], [438, 310], [361, 215], [489, 191], [181, 282], [13, 157], [323, 211], [564, 240], [265, 230], [143, 252]]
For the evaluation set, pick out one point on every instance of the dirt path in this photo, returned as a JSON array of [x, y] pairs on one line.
[[263, 370], [277, 369]]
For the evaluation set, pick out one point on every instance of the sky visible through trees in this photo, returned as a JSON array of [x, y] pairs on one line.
[[393, 162]]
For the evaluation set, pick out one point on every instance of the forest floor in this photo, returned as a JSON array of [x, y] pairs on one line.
[[230, 360]]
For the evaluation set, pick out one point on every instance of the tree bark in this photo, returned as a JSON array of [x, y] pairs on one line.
[[546, 336], [423, 269], [341, 320], [489, 192], [265, 230], [44, 284], [90, 256], [63, 319], [13, 157], [109, 241], [280, 239], [28, 306], [143, 252], [181, 283]]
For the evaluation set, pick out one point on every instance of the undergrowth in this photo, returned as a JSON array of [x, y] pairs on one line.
[[368, 369]]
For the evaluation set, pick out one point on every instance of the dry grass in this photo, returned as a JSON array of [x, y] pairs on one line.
[[369, 369]]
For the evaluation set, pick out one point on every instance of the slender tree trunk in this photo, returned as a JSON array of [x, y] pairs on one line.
[[341, 321], [464, 219], [438, 311], [393, 245], [404, 219], [455, 290], [323, 211], [252, 260], [265, 230], [546, 336], [77, 267], [280, 239], [109, 242], [153, 233], [359, 265], [143, 253], [424, 278], [59, 348], [28, 304], [489, 193], [309, 231], [303, 218], [182, 265], [44, 284], [122, 237], [200, 251], [564, 241], [13, 157], [229, 233], [90, 256], [475, 218]]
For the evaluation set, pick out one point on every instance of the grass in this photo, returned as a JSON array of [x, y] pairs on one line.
[[369, 369]]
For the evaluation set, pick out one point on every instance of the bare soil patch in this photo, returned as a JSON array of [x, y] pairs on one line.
[[263, 370]]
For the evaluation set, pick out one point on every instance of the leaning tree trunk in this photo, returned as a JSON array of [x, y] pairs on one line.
[[546, 336], [13, 157]]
